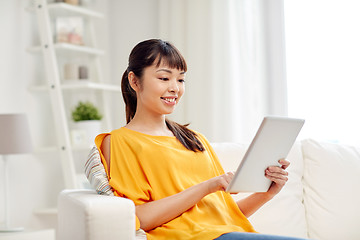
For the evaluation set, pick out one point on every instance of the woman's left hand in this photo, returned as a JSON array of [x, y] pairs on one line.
[[278, 176]]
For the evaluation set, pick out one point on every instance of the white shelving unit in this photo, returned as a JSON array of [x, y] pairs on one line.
[[66, 48], [53, 53]]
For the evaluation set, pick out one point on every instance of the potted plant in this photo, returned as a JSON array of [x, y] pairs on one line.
[[87, 123]]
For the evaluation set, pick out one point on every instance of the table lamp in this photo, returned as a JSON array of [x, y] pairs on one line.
[[14, 139]]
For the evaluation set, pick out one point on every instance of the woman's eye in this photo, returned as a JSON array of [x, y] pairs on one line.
[[181, 80], [164, 79]]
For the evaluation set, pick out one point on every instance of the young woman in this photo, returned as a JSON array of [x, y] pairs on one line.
[[171, 172]]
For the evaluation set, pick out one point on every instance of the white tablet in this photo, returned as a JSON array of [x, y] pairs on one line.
[[272, 142]]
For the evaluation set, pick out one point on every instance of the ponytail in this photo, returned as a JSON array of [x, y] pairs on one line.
[[129, 96], [144, 55], [187, 137]]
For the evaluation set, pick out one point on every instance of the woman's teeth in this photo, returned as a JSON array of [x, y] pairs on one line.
[[170, 99]]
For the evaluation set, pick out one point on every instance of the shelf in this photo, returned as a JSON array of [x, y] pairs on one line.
[[70, 48], [80, 84], [45, 149], [64, 9], [73, 85], [46, 211], [40, 150]]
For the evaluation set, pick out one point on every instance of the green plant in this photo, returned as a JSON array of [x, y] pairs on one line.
[[85, 111]]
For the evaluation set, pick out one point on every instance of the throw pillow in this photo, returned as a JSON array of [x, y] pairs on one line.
[[331, 190], [95, 173]]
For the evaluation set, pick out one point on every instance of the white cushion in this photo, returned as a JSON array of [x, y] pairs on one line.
[[229, 154], [331, 190], [283, 215]]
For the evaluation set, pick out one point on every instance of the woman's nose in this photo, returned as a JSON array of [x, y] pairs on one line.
[[174, 87]]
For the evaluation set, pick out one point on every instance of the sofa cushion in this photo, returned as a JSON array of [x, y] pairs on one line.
[[283, 215], [331, 190]]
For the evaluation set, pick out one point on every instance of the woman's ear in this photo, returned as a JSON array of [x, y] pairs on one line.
[[133, 81]]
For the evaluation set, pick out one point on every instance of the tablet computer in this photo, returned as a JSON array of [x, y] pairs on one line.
[[272, 142]]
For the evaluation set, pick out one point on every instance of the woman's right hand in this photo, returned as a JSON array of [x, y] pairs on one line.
[[219, 183]]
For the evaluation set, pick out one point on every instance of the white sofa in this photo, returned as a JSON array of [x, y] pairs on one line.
[[320, 201]]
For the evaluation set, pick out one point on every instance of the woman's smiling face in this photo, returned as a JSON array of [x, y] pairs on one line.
[[160, 89]]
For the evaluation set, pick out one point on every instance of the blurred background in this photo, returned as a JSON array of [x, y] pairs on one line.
[[246, 59]]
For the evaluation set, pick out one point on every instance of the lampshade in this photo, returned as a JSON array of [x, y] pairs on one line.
[[14, 134]]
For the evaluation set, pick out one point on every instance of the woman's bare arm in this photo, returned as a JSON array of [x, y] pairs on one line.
[[105, 149], [158, 212], [252, 203]]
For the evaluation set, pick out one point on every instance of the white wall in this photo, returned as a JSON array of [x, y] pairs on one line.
[[36, 179], [130, 22]]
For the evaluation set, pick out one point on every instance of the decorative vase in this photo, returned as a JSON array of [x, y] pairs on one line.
[[85, 132]]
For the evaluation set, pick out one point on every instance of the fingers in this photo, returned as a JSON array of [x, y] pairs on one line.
[[220, 183], [278, 174], [277, 170], [228, 176], [226, 179], [278, 182], [284, 163]]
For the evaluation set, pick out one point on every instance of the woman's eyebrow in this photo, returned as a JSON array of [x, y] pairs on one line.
[[164, 69], [167, 70]]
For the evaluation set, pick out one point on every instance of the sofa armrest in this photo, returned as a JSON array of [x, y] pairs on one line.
[[86, 215]]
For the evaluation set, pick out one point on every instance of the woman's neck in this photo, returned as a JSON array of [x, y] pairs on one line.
[[149, 124]]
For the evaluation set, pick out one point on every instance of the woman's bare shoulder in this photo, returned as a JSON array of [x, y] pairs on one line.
[[105, 149]]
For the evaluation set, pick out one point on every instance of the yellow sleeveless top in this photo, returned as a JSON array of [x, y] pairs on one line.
[[146, 168]]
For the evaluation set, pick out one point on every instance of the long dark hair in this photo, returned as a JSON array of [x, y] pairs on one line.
[[143, 55]]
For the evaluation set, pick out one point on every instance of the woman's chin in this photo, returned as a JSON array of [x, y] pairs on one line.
[[169, 111]]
